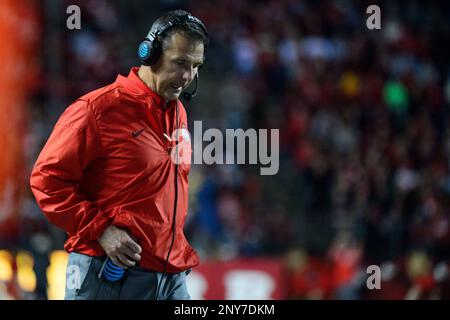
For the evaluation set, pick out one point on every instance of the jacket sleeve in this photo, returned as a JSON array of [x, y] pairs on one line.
[[72, 145]]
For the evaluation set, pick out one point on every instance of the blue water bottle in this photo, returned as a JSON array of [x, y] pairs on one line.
[[110, 271]]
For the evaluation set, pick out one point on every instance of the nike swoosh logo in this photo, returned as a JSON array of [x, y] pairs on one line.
[[136, 133]]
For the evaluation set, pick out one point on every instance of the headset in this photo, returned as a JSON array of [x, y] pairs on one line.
[[150, 49]]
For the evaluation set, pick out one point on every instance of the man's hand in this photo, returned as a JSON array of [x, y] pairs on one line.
[[120, 247]]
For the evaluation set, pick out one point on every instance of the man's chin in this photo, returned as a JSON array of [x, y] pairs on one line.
[[173, 96]]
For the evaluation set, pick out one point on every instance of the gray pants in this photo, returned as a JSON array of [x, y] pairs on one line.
[[82, 282]]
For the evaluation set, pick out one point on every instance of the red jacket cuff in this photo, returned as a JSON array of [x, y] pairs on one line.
[[98, 225]]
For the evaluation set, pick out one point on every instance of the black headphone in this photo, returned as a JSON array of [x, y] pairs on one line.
[[150, 48]]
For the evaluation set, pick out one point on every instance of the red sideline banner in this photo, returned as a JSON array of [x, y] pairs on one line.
[[242, 279]]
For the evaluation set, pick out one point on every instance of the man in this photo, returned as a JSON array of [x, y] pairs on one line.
[[107, 174]]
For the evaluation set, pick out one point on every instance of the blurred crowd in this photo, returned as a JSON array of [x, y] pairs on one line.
[[364, 135]]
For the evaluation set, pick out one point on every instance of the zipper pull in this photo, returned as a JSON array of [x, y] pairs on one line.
[[168, 138]]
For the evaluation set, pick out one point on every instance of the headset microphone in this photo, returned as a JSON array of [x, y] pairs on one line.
[[189, 95]]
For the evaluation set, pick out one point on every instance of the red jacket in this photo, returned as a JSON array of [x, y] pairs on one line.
[[93, 172]]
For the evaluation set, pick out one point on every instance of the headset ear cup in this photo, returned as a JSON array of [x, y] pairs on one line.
[[149, 52], [156, 52], [145, 52]]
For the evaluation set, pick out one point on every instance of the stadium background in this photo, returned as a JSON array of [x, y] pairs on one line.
[[364, 142]]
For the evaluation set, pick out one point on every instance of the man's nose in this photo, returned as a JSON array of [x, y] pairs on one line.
[[188, 74]]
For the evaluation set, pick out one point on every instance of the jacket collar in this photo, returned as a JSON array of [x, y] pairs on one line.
[[135, 84]]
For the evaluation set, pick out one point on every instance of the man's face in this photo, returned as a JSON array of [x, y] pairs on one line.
[[174, 71]]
